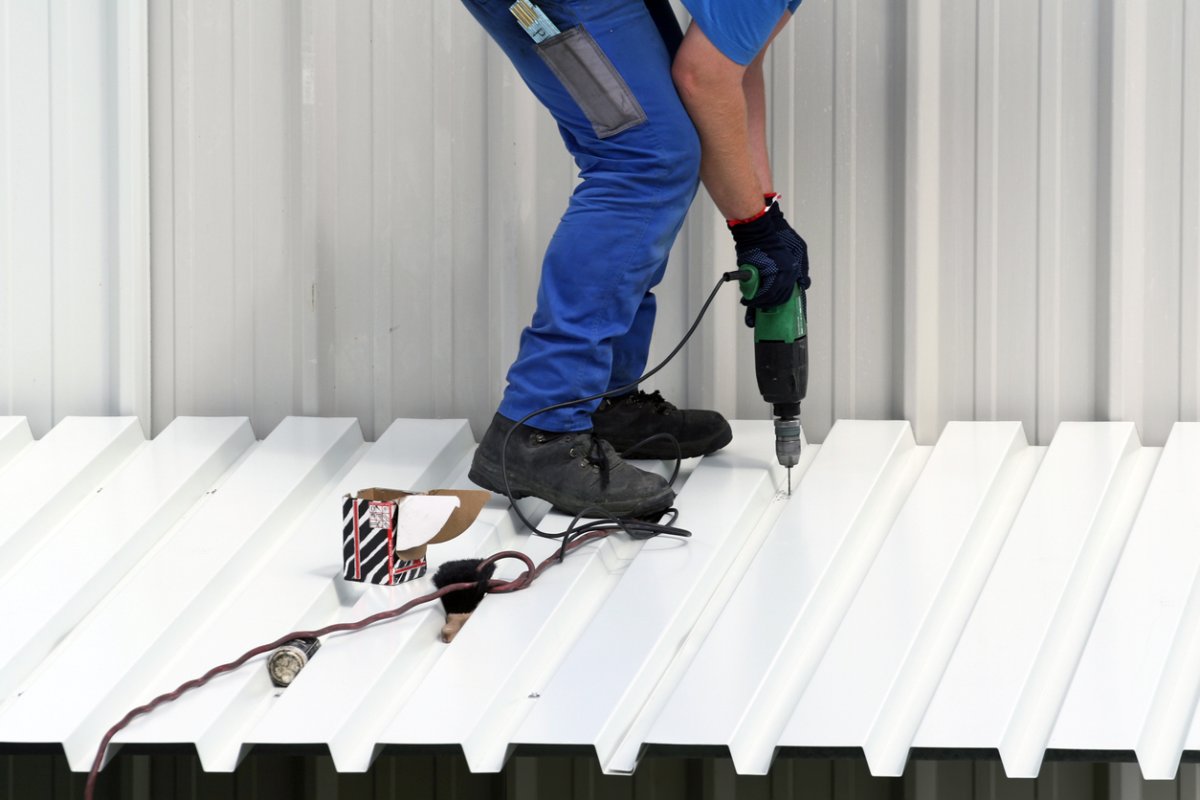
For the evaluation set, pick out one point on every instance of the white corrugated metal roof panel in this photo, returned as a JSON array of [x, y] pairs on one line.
[[978, 594]]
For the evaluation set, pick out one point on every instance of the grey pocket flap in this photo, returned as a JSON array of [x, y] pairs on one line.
[[592, 81]]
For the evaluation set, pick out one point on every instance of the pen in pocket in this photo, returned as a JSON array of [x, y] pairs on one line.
[[535, 23]]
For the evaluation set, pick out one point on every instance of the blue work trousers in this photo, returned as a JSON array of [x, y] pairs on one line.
[[595, 309]]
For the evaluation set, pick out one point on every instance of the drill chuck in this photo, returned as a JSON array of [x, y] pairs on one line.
[[787, 441]]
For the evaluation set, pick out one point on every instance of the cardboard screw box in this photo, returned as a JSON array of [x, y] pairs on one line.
[[386, 532]]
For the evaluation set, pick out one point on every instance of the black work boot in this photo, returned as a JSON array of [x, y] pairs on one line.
[[573, 471], [628, 419]]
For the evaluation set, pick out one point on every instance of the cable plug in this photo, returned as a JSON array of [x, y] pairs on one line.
[[461, 603]]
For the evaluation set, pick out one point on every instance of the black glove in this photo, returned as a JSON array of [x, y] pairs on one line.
[[793, 242], [790, 237], [768, 243]]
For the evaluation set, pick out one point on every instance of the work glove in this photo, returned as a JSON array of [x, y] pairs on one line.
[[768, 242], [790, 237]]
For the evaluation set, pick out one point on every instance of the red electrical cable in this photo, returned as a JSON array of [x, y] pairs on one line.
[[494, 587]]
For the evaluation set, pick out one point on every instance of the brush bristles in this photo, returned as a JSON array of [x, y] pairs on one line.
[[465, 570]]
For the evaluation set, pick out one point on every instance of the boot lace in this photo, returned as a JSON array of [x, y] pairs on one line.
[[597, 456]]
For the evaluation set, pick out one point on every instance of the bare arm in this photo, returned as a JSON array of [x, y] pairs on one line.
[[756, 120], [710, 85], [727, 103], [754, 87]]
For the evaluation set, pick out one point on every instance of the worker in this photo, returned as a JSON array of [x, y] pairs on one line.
[[607, 79]]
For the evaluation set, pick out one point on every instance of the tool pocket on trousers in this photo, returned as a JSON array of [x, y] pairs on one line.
[[592, 81]]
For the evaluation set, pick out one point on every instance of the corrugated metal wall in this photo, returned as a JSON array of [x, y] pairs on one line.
[[1053, 218], [74, 268], [350, 200], [1002, 199]]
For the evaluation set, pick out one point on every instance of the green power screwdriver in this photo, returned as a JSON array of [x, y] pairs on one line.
[[780, 364]]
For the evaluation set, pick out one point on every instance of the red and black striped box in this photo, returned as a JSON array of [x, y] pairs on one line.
[[370, 541]]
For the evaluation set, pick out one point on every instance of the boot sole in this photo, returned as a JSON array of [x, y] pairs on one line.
[[486, 474]]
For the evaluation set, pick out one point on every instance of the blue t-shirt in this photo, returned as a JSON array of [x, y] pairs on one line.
[[739, 28]]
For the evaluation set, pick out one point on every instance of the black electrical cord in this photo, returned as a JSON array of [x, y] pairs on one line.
[[632, 526]]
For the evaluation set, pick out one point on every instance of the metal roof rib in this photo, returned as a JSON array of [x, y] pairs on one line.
[[47, 479], [386, 666], [14, 437], [920, 671], [154, 610], [983, 681], [898, 593], [1142, 613], [980, 594], [612, 669], [348, 694], [1165, 733], [295, 586], [1024, 743], [108, 534], [740, 661], [631, 747], [512, 647], [1169, 524]]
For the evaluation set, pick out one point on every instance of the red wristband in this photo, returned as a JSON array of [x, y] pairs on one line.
[[732, 222]]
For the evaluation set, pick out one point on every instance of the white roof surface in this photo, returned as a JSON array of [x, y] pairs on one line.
[[980, 594]]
